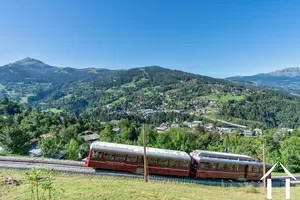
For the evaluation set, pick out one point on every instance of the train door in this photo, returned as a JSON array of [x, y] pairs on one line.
[[246, 172], [242, 172]]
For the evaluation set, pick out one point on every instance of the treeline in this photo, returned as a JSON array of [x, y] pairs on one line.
[[274, 109], [135, 89], [19, 126]]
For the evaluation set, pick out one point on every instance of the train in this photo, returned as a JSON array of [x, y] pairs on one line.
[[198, 164]]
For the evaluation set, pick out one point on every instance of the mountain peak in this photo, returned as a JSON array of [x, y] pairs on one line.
[[29, 60], [291, 72]]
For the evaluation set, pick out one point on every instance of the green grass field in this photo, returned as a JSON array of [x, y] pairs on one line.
[[224, 98], [25, 99], [284, 174], [54, 110], [70, 186]]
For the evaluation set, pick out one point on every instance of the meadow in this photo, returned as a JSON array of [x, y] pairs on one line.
[[71, 186]]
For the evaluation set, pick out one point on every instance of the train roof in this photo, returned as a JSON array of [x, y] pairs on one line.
[[139, 151], [220, 155], [229, 161]]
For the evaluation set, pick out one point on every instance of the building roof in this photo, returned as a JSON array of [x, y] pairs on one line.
[[91, 137], [33, 140], [36, 152], [139, 151], [164, 128], [45, 135], [87, 132]]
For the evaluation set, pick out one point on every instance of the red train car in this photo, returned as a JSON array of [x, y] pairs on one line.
[[129, 158], [208, 164]]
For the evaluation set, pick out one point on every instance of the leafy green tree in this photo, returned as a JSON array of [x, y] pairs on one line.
[[151, 136], [290, 151], [226, 142], [49, 146], [66, 134], [107, 134], [73, 150], [15, 140]]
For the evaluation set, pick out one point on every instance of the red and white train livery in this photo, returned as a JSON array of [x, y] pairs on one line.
[[199, 164], [130, 158]]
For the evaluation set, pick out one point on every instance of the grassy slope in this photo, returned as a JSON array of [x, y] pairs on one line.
[[284, 174], [54, 110], [99, 187], [224, 98]]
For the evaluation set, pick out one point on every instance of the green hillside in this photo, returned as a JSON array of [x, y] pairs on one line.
[[141, 88], [106, 94], [31, 77]]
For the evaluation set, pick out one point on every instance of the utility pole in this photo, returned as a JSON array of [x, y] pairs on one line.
[[264, 164], [145, 155]]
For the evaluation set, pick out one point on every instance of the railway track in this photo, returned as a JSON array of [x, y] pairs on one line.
[[77, 167], [41, 160]]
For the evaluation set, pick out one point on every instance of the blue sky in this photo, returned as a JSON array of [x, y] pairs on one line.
[[214, 38]]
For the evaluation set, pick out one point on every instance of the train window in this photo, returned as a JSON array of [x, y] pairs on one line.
[[241, 167], [255, 169], [233, 167], [222, 166], [96, 155], [173, 163], [226, 167], [261, 169], [204, 165], [250, 168], [230, 167], [184, 164], [120, 157], [236, 168], [152, 161], [163, 162], [109, 156], [140, 159], [131, 158], [213, 166]]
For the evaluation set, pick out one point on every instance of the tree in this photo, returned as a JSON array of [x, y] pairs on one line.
[[66, 134], [49, 146], [226, 142], [107, 134], [15, 140], [290, 151], [73, 150]]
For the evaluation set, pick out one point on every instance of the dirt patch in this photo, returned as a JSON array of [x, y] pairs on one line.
[[8, 180]]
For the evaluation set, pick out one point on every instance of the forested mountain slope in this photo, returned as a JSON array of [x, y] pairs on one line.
[[31, 77], [141, 88], [274, 109]]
